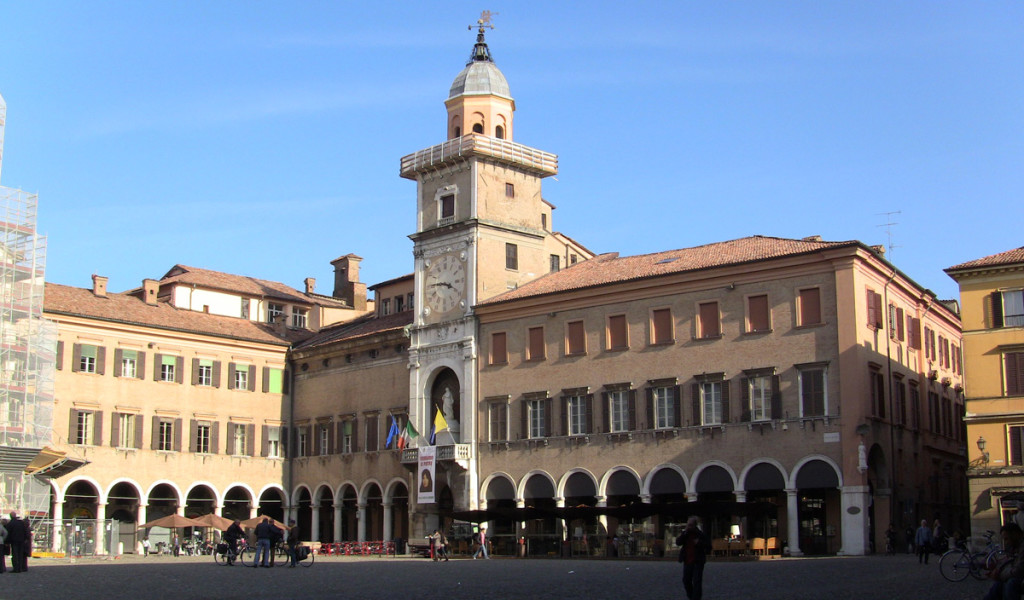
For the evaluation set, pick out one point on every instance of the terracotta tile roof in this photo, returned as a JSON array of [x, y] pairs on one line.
[[398, 279], [610, 268], [125, 308], [359, 328], [240, 283], [1003, 258]]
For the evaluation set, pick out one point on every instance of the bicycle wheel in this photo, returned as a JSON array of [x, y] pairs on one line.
[[220, 558], [246, 556], [995, 557], [955, 565], [308, 561], [281, 553]]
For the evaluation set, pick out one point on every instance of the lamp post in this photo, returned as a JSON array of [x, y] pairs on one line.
[[981, 447]]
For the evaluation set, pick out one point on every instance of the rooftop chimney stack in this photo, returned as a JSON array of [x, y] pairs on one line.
[[346, 281], [150, 289], [99, 286], [310, 285]]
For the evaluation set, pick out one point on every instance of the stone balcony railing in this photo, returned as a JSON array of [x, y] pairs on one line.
[[444, 453], [458, 149]]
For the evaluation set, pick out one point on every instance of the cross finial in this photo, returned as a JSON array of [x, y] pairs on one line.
[[484, 22]]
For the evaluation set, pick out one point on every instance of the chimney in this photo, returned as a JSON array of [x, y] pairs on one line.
[[310, 285], [346, 281], [880, 249], [150, 288], [99, 286]]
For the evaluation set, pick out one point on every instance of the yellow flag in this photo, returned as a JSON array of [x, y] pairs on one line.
[[440, 424]]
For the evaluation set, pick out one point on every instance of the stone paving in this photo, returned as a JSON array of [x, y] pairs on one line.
[[186, 578]]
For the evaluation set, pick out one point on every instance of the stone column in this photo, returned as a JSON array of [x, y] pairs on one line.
[[100, 546], [793, 523], [337, 522], [253, 510], [314, 522], [741, 496], [388, 533], [602, 501], [361, 522], [57, 535], [854, 509]]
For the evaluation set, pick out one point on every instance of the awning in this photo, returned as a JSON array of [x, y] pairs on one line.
[[51, 463]]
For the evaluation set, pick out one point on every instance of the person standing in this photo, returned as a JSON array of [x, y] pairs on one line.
[[923, 541], [1010, 571], [263, 535], [693, 553], [442, 546], [17, 537], [483, 544], [293, 543], [433, 539], [939, 538], [3, 540], [145, 546]]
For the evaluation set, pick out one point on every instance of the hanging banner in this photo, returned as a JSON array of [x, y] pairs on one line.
[[425, 475]]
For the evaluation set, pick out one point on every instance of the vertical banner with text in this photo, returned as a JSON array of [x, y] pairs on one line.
[[426, 475]]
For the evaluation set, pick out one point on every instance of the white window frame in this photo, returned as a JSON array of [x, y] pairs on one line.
[[165, 433], [239, 441], [537, 418], [273, 442], [824, 386], [711, 403], [241, 377], [618, 411], [204, 431], [87, 364], [129, 367], [325, 438], [205, 375], [299, 317], [664, 407], [85, 428], [346, 436], [301, 443], [273, 311], [760, 393], [167, 372], [1017, 317], [576, 413], [126, 430]]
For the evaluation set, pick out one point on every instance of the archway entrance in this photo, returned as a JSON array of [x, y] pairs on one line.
[[818, 509], [237, 504], [543, 534], [123, 507], [272, 504]]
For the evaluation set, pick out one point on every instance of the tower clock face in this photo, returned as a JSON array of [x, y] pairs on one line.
[[444, 283]]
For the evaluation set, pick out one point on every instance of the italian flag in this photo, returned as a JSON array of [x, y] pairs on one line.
[[408, 435]]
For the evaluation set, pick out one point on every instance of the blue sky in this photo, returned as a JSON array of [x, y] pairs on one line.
[[263, 138]]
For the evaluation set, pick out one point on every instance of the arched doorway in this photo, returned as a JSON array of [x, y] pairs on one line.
[[123, 508], [668, 495], [818, 509], [304, 514], [163, 500], [587, 531], [237, 504], [765, 488], [622, 490], [716, 501], [400, 511], [374, 512], [272, 503], [543, 533], [201, 500], [325, 512], [445, 395], [81, 527], [349, 514]]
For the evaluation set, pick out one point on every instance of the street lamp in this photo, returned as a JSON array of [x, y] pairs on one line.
[[981, 447]]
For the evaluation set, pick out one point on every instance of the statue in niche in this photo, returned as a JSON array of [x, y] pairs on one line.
[[450, 415]]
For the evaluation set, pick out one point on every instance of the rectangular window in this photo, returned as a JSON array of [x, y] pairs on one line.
[[499, 349], [901, 332], [274, 311], [915, 407], [760, 389], [203, 433], [555, 263], [302, 439], [239, 443], [408, 301], [576, 339], [204, 376], [618, 411], [1013, 369], [346, 436], [877, 383], [661, 326], [385, 306], [299, 317], [168, 368], [126, 430], [576, 415], [129, 363], [1016, 444], [711, 402], [810, 306], [874, 309], [274, 380], [324, 432], [274, 442], [813, 399], [399, 304], [498, 421], [245, 308], [241, 380], [165, 436], [87, 359], [664, 407], [84, 433], [538, 418], [511, 257], [934, 419], [446, 207], [900, 400], [758, 314], [510, 190], [573, 259], [371, 433], [1008, 308], [535, 351], [618, 335], [707, 320], [914, 332]]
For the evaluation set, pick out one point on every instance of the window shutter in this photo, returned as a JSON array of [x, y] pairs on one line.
[[499, 349], [355, 435], [661, 320], [60, 356], [725, 401], [872, 319], [250, 439], [537, 343], [524, 422], [97, 428], [757, 307], [140, 365], [73, 427], [138, 432], [810, 306], [1014, 369], [118, 356], [632, 410], [266, 379], [588, 418], [76, 358], [158, 359], [177, 435], [709, 326], [193, 433], [251, 379], [677, 405], [101, 360], [179, 369], [695, 403], [878, 310], [332, 445], [776, 398], [997, 310], [115, 428], [606, 412], [1016, 438], [649, 395], [195, 371], [617, 332], [265, 441], [900, 323], [547, 418], [563, 414], [231, 375], [744, 400], [214, 437]]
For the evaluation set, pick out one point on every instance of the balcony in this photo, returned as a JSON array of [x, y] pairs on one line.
[[411, 456], [459, 149]]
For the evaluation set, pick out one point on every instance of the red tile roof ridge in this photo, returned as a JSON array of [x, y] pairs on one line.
[[1008, 257]]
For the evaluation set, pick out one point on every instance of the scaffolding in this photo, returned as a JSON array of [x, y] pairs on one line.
[[27, 355]]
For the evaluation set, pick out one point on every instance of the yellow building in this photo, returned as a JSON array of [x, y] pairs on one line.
[[992, 295]]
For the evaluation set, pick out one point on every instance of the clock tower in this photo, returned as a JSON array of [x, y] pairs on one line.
[[482, 228]]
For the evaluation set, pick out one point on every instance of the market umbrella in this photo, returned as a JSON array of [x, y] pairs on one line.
[[172, 522], [215, 521], [252, 523]]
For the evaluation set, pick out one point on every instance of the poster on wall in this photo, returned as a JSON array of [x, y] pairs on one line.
[[425, 475]]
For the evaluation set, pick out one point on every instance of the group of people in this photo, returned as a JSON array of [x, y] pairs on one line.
[[16, 537], [927, 539], [439, 545], [268, 535]]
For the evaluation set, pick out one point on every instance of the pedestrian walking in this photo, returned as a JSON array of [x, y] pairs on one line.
[[433, 539], [18, 537], [442, 546], [293, 543], [482, 550], [693, 553], [145, 546], [923, 541]]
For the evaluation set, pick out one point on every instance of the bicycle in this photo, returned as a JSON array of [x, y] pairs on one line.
[[224, 555], [304, 556], [958, 563]]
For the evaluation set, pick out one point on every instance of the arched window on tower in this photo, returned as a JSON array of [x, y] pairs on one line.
[[499, 132], [478, 128], [458, 132]]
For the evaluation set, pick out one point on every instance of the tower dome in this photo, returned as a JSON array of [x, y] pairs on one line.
[[479, 100]]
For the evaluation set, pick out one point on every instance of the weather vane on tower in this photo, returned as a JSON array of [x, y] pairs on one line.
[[484, 22]]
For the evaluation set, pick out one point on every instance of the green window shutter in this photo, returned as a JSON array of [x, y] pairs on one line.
[[97, 428], [196, 363], [76, 358], [276, 381]]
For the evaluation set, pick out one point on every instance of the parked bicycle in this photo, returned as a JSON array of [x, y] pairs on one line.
[[304, 556], [224, 555], [958, 563]]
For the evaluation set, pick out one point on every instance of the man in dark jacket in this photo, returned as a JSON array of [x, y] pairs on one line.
[[231, 536], [693, 553], [293, 543], [264, 533], [19, 537]]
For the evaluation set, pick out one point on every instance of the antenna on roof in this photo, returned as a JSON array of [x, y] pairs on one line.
[[889, 224]]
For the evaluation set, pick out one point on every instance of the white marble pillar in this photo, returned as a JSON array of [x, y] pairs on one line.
[[854, 508], [388, 533], [57, 536], [337, 522], [314, 523], [253, 510], [100, 546], [361, 519], [793, 523]]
